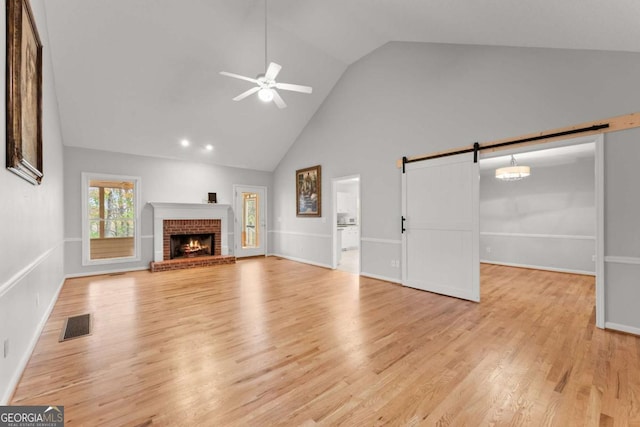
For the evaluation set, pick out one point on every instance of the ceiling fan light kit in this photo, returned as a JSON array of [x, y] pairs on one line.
[[266, 84], [265, 95]]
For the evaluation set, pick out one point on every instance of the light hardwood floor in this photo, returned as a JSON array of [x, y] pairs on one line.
[[270, 341]]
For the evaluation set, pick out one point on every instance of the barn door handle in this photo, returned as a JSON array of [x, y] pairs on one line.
[[402, 229]]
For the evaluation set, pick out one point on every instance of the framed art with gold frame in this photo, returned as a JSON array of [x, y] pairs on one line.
[[24, 93], [309, 192]]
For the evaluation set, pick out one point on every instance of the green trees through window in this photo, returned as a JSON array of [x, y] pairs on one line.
[[111, 209], [110, 223]]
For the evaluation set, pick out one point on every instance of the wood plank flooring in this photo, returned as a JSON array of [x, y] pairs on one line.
[[274, 342]]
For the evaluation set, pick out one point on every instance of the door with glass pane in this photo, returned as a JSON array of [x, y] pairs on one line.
[[250, 220]]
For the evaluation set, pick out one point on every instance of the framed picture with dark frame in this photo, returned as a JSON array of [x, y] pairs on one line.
[[23, 93], [309, 192]]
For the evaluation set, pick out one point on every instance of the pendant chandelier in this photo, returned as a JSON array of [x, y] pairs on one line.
[[513, 172]]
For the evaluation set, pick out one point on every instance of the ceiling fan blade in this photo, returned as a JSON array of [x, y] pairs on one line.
[[295, 88], [238, 76], [243, 95], [272, 71], [278, 100]]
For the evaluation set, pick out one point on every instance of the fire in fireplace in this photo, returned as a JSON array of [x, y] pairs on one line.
[[191, 245]]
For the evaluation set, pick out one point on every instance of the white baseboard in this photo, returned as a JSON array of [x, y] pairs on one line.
[[383, 278], [302, 260], [622, 328], [538, 267], [100, 273], [13, 382]]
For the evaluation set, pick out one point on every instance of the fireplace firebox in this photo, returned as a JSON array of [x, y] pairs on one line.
[[191, 245]]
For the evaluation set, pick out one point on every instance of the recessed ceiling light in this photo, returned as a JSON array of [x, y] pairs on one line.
[[209, 147], [184, 143]]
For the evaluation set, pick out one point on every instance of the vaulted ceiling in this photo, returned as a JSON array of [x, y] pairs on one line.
[[138, 76]]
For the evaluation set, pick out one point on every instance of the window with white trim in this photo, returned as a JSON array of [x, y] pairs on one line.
[[110, 218]]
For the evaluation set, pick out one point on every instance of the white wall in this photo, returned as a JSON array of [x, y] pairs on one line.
[[546, 221], [163, 180], [31, 224], [415, 98], [622, 231]]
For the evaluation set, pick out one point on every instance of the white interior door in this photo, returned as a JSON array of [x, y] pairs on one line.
[[250, 218], [440, 244]]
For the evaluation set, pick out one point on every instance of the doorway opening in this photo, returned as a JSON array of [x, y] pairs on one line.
[[551, 220], [440, 221], [346, 223]]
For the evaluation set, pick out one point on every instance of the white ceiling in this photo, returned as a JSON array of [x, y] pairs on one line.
[[137, 76]]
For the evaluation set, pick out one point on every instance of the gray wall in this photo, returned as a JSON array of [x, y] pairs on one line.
[[547, 220], [415, 98], [162, 180], [622, 230], [31, 223]]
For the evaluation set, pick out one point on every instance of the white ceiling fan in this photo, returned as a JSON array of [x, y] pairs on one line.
[[266, 84]]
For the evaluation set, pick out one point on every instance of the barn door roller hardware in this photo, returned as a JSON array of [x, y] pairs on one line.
[[477, 147], [613, 124]]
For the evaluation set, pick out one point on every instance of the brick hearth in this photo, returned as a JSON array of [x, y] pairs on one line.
[[191, 226], [181, 263]]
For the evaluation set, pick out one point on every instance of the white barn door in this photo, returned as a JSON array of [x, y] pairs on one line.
[[440, 243]]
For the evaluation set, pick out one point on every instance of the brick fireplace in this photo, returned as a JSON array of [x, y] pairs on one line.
[[190, 227], [197, 232]]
